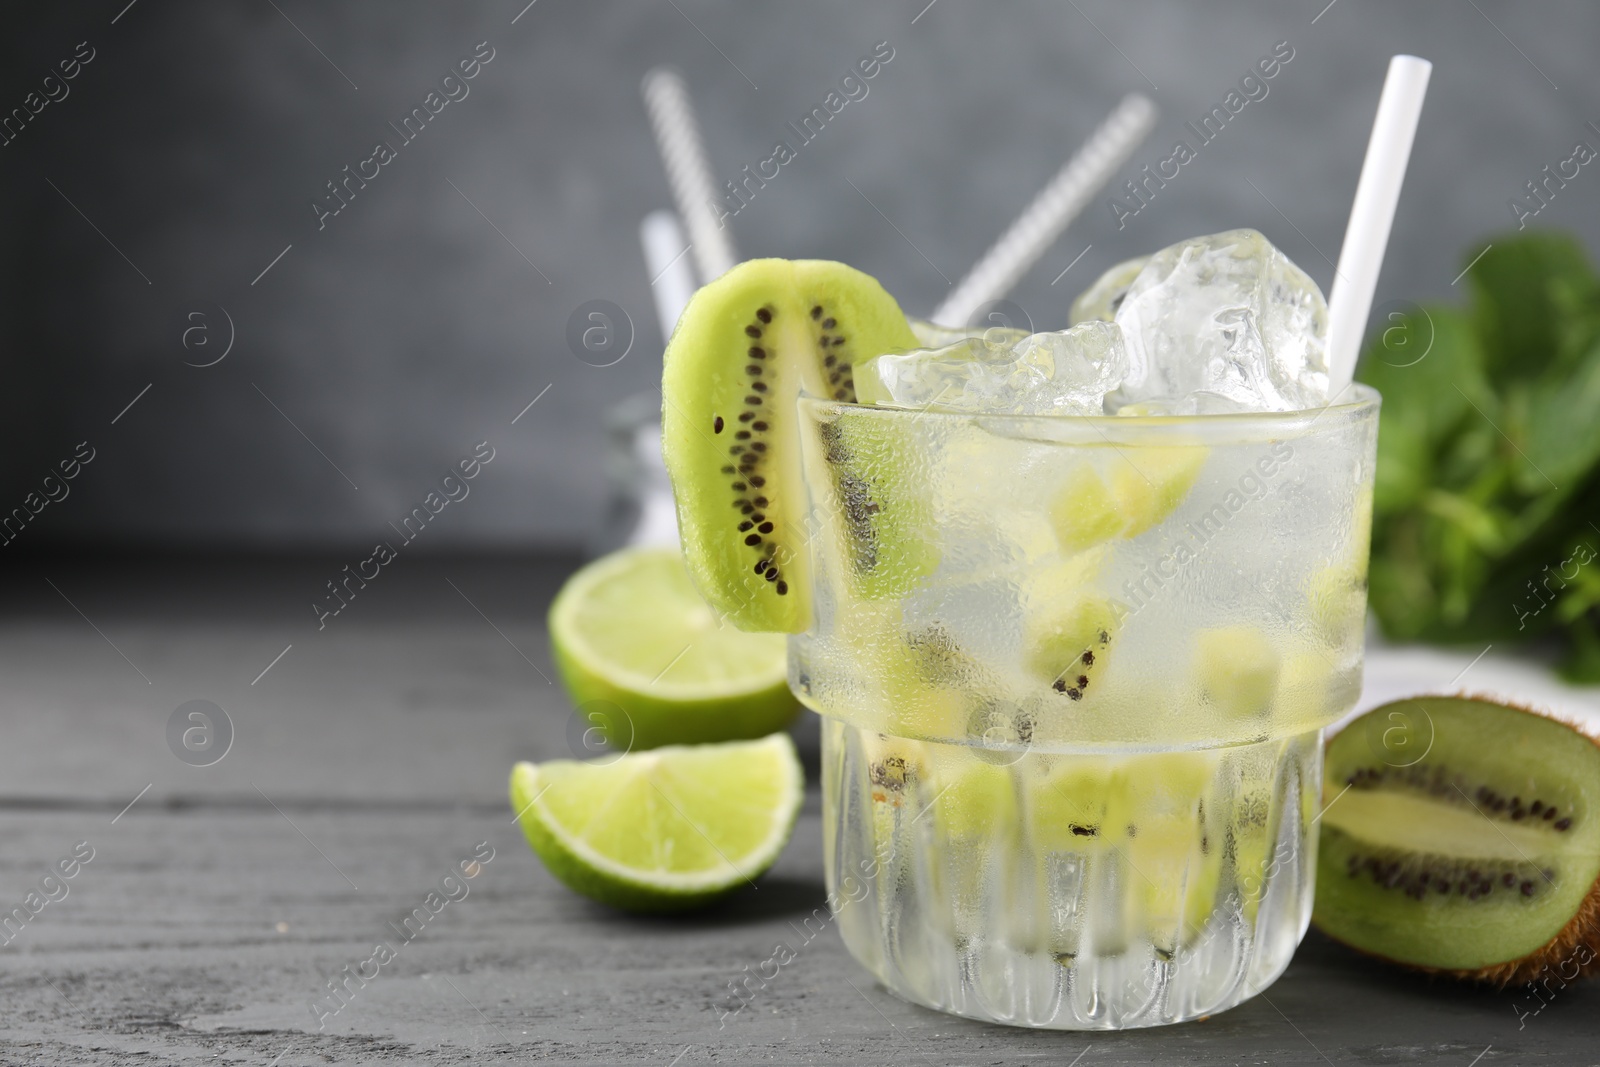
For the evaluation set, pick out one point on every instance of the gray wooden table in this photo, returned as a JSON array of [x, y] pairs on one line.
[[369, 758]]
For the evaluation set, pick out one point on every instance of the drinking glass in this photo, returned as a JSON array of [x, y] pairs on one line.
[[1073, 675]]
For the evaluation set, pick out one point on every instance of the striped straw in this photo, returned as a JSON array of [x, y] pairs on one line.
[[666, 98], [1057, 204]]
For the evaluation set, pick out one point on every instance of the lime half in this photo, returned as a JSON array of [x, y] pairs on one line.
[[631, 629], [664, 830]]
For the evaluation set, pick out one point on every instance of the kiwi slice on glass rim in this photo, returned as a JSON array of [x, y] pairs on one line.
[[744, 350], [1462, 836]]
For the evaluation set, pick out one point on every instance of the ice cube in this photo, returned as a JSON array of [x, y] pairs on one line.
[[1224, 322], [1101, 300], [1062, 373], [1200, 402], [932, 335]]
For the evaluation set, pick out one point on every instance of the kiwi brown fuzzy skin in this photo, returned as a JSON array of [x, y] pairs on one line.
[[1571, 954]]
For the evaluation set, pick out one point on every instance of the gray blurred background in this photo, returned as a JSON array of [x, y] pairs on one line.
[[424, 317]]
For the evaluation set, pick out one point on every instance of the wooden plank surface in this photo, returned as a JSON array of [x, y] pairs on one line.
[[368, 760]]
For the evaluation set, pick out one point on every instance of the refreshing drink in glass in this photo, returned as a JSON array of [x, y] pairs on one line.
[[1074, 608], [1071, 723]]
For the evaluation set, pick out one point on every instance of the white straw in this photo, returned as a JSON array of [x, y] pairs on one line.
[[658, 519], [671, 275], [1057, 204], [683, 153], [672, 284], [1377, 193]]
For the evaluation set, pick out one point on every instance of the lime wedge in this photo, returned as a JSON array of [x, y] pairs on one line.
[[630, 630], [664, 830]]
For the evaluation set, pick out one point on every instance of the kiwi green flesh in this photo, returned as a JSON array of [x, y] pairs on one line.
[[1462, 835], [880, 510], [744, 350]]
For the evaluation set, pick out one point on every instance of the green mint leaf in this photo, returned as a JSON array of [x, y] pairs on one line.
[[1521, 288]]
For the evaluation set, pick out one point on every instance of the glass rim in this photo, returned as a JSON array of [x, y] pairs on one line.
[[1233, 425]]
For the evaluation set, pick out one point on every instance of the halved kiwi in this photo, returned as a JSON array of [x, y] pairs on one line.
[[1462, 836], [747, 345]]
